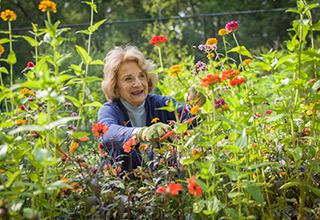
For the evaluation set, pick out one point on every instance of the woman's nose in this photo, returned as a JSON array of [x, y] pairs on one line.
[[137, 82]]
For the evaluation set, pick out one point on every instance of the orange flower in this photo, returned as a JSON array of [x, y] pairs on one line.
[[1, 49], [21, 122], [195, 109], [193, 187], [84, 138], [143, 147], [161, 189], [175, 70], [229, 73], [222, 32], [212, 41], [99, 129], [47, 5], [155, 120], [210, 79], [246, 62], [127, 147], [73, 147], [174, 188], [238, 80], [76, 187], [8, 15], [26, 91]]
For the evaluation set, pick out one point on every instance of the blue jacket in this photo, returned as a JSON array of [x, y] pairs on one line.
[[115, 116]]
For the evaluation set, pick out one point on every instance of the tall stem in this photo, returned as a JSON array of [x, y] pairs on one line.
[[160, 57], [240, 58]]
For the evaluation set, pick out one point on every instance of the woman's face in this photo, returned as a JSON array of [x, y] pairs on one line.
[[132, 83]]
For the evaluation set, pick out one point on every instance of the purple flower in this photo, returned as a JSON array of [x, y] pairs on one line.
[[200, 66], [219, 103]]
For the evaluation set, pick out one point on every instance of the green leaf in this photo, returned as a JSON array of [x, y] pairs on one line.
[[316, 26], [97, 62], [93, 104], [201, 184], [293, 10], [170, 107], [95, 27], [12, 59], [12, 177], [242, 142], [4, 40], [85, 57], [3, 150], [241, 50], [255, 191], [31, 41], [187, 160], [27, 128], [61, 121], [77, 69], [275, 118], [75, 101], [182, 128], [3, 70], [83, 32], [80, 134], [316, 86], [92, 5], [63, 78]]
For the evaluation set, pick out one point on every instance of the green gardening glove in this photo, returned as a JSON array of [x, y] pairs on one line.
[[194, 97], [153, 133]]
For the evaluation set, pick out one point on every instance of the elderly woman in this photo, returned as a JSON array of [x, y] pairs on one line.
[[130, 110]]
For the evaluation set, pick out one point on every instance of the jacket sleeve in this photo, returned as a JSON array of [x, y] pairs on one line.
[[117, 134]]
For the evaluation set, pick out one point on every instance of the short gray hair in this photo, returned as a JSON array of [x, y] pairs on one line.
[[114, 59]]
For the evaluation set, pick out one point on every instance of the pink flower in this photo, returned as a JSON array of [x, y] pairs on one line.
[[161, 189], [30, 65], [232, 26]]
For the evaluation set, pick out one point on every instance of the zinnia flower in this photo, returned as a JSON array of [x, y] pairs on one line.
[[73, 147], [161, 189], [158, 40], [238, 80], [219, 103], [212, 41], [269, 112], [232, 26], [193, 187], [22, 107], [86, 138], [195, 109], [1, 50], [30, 65], [21, 122], [26, 91], [99, 129], [222, 32], [210, 79], [174, 188], [8, 15], [229, 73], [47, 5], [246, 62], [127, 147], [175, 70]]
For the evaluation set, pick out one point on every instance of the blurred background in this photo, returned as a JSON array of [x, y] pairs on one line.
[[187, 23]]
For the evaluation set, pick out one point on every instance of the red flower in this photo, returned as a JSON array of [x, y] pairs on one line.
[[238, 80], [229, 73], [22, 107], [210, 79], [157, 40], [99, 129], [161, 189], [174, 188], [30, 65], [232, 26], [269, 112], [127, 147], [193, 187], [257, 115]]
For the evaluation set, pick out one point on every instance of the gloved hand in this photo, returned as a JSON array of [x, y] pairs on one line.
[[194, 97], [153, 133]]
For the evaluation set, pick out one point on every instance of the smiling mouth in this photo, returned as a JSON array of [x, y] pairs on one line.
[[137, 93]]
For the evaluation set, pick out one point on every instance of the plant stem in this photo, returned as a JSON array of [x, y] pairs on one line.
[[160, 57], [225, 49], [235, 39]]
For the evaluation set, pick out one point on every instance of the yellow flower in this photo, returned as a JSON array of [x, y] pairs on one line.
[[47, 5], [21, 122], [195, 109], [73, 147], [175, 70], [143, 147], [212, 41], [246, 62], [222, 32], [8, 15], [155, 120], [210, 56], [196, 153], [1, 49], [26, 91]]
